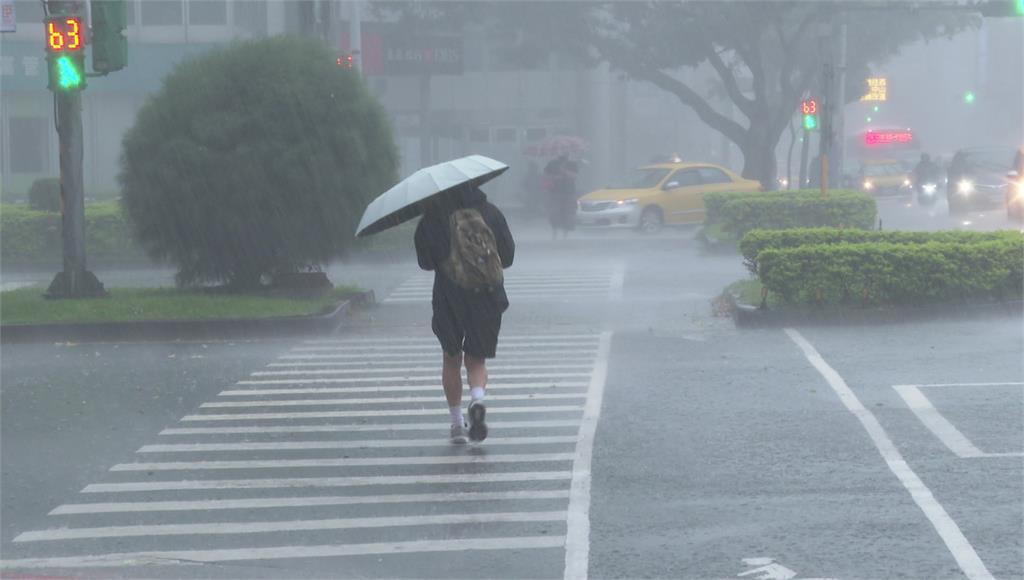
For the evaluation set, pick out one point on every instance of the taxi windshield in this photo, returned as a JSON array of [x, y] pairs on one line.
[[642, 178]]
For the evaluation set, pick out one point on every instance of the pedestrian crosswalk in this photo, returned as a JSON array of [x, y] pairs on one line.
[[560, 285], [338, 449]]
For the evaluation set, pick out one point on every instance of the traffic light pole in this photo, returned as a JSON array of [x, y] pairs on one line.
[[75, 281]]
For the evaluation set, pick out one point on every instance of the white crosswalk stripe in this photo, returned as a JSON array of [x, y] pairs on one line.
[[339, 449], [539, 286]]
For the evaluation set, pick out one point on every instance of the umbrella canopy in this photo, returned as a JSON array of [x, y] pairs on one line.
[[405, 200]]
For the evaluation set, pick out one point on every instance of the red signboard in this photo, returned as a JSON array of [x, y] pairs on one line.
[[64, 34], [888, 137]]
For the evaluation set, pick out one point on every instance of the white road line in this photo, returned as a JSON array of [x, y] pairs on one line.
[[533, 288], [434, 371], [571, 295], [285, 502], [400, 379], [945, 431], [300, 368], [285, 526], [355, 428], [577, 537], [375, 401], [349, 462], [618, 281], [392, 389], [374, 413], [541, 345], [1007, 384], [958, 546], [289, 482], [356, 444], [429, 339], [192, 557], [371, 358]]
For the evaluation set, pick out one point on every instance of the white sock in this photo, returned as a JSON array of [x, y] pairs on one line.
[[457, 418], [476, 393]]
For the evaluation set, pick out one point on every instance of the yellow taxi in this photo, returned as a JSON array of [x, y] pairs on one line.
[[884, 176], [657, 195]]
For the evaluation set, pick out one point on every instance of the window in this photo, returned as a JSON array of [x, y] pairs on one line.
[[28, 11], [685, 178], [505, 135], [30, 152], [712, 175], [641, 179], [208, 12], [536, 134], [162, 13], [251, 15], [479, 135]]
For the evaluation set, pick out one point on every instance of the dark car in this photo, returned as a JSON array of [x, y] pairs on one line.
[[977, 178]]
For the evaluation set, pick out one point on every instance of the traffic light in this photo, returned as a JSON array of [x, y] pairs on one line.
[[65, 54], [109, 46], [970, 97], [1001, 8], [809, 108], [344, 61]]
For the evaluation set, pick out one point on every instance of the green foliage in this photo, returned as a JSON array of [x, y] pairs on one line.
[[741, 213], [29, 237], [27, 305], [754, 242], [888, 273], [44, 195], [254, 159]]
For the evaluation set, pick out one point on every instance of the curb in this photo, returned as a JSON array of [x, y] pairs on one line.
[[186, 329], [749, 316], [716, 247]]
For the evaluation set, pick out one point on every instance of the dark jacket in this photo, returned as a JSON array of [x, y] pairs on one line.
[[433, 245]]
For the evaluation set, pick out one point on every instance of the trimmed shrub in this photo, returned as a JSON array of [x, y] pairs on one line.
[[714, 201], [44, 195], [801, 209], [255, 159], [757, 240], [33, 238], [887, 273]]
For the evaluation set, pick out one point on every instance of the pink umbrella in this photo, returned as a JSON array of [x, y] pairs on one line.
[[556, 145]]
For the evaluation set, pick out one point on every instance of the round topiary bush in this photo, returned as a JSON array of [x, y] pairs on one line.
[[255, 159]]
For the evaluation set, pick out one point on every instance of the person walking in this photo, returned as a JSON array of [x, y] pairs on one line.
[[465, 240], [561, 173]]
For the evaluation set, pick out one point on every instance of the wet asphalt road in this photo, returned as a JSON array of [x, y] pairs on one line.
[[719, 453]]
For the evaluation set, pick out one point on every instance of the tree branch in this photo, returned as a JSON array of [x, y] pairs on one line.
[[725, 73]]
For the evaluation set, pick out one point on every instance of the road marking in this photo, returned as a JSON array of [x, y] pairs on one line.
[[546, 346], [577, 537], [375, 413], [618, 282], [431, 369], [345, 462], [355, 428], [958, 546], [552, 353], [430, 340], [285, 526], [392, 389], [356, 444], [376, 400], [399, 379], [192, 557], [351, 481], [1007, 384], [945, 431], [286, 502], [766, 569]]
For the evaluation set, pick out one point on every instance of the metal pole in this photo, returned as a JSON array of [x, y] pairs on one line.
[[425, 156], [825, 143], [69, 123], [355, 34], [840, 108]]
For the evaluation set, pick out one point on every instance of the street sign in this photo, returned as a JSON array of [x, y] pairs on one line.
[[877, 89], [388, 49], [8, 19]]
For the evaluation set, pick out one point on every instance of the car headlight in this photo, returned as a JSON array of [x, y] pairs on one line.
[[929, 188], [906, 183], [626, 202], [965, 186], [869, 185]]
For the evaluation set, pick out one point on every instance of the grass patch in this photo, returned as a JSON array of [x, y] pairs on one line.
[[27, 305]]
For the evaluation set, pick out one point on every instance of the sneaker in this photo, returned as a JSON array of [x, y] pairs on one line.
[[459, 435], [477, 425]]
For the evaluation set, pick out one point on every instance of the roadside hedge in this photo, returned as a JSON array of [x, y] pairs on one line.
[[44, 195], [800, 209], [758, 240], [33, 238], [886, 273]]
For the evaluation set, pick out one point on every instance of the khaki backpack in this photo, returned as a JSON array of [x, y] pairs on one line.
[[473, 263]]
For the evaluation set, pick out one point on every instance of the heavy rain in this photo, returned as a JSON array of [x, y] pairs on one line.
[[512, 289]]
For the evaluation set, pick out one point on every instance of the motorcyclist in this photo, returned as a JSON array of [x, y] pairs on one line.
[[926, 170]]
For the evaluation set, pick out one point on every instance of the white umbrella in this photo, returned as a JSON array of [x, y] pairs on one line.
[[405, 200]]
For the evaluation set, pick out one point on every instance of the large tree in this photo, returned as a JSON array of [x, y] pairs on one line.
[[765, 55]]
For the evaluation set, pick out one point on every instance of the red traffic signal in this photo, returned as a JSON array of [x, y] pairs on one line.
[[344, 61]]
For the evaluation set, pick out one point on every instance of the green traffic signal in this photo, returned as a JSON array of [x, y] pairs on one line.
[[969, 97], [810, 122], [67, 72]]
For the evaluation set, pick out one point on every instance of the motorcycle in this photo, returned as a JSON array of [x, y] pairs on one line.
[[927, 191]]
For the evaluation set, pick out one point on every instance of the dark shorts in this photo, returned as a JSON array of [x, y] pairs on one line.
[[470, 326]]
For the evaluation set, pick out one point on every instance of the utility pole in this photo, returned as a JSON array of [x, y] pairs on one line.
[[74, 281], [840, 108], [355, 34], [825, 140]]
